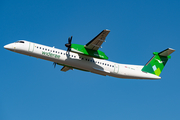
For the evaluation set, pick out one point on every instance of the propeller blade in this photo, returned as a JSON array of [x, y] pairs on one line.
[[68, 45], [69, 49], [54, 64], [70, 40]]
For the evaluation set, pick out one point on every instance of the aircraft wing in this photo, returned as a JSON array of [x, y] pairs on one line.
[[65, 68], [96, 43]]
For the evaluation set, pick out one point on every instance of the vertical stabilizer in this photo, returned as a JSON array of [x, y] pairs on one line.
[[156, 64]]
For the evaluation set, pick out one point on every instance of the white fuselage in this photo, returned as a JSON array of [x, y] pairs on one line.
[[80, 61]]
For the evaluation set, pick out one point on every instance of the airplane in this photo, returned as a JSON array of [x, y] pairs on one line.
[[90, 59]]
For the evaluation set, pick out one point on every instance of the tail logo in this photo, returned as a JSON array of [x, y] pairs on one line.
[[159, 61], [154, 68]]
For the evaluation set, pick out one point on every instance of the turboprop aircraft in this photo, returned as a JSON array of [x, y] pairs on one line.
[[89, 58]]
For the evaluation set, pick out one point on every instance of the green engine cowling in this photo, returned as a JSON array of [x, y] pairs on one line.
[[81, 49]]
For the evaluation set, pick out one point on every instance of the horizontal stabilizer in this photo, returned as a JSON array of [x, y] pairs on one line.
[[166, 52]]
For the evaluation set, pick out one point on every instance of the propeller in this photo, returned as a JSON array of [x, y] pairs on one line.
[[68, 45], [54, 64]]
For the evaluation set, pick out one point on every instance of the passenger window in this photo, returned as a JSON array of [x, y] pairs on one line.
[[45, 49], [37, 46], [56, 51], [40, 48]]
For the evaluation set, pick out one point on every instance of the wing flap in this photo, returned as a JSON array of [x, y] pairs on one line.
[[65, 68]]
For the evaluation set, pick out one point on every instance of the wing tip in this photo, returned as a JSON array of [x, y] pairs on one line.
[[106, 30]]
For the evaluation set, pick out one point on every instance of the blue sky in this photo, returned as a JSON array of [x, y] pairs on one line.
[[31, 88]]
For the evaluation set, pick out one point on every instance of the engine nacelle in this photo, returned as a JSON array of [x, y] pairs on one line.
[[81, 49]]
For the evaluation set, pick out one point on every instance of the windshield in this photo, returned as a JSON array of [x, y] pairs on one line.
[[19, 41]]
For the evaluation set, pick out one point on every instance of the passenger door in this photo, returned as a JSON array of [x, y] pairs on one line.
[[31, 47], [116, 68]]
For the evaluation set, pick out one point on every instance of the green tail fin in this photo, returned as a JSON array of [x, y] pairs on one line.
[[156, 64]]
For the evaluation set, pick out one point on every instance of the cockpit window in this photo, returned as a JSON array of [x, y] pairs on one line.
[[19, 41]]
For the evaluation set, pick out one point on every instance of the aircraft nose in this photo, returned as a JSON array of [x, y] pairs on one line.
[[8, 46]]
